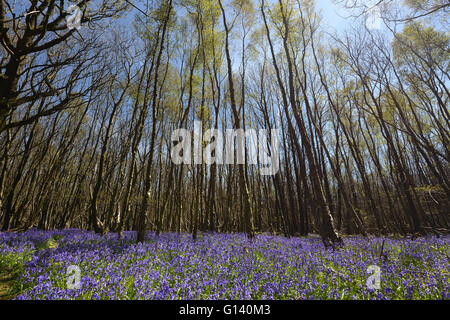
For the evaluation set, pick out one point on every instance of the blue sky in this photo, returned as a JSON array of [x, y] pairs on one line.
[[337, 18], [333, 15]]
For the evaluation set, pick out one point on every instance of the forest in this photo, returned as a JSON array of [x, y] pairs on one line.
[[88, 113]]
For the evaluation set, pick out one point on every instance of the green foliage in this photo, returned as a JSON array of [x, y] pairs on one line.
[[421, 45], [13, 263], [48, 244], [129, 285]]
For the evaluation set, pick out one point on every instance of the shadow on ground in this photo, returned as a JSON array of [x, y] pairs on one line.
[[6, 280]]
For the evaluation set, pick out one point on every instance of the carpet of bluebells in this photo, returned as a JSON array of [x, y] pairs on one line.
[[222, 266]]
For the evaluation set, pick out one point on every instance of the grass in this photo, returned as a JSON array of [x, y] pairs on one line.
[[13, 264]]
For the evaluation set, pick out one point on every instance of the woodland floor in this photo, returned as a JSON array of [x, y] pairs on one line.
[[219, 266]]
